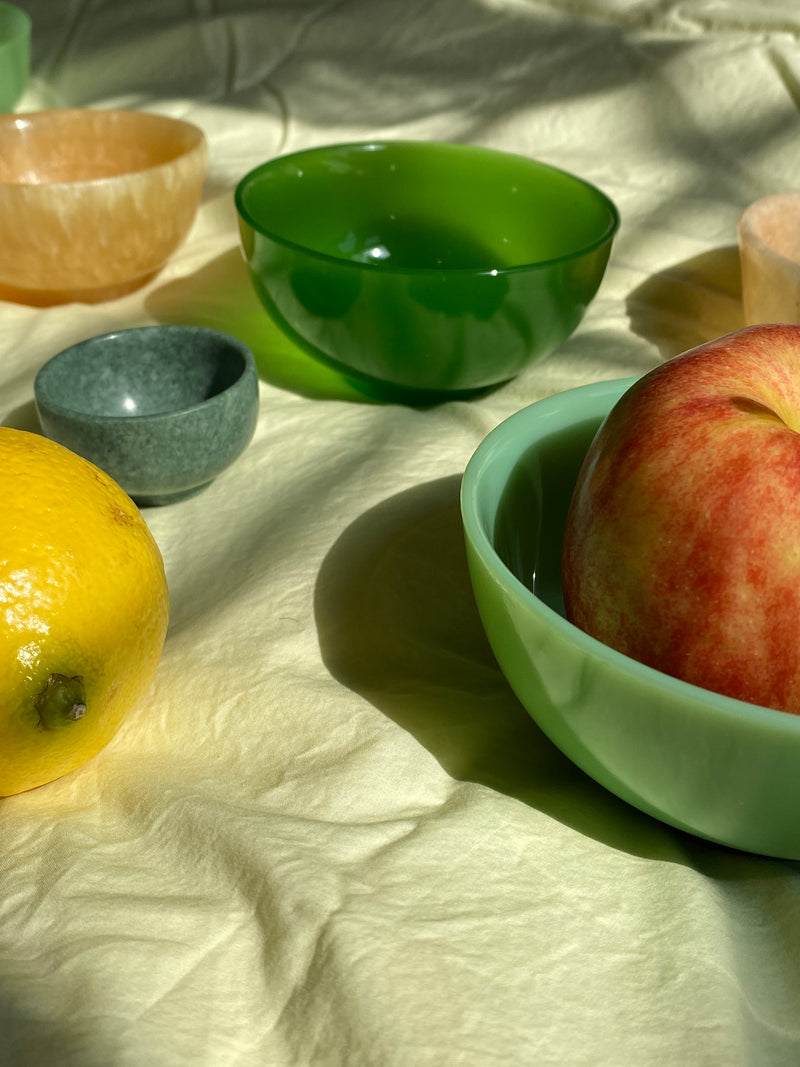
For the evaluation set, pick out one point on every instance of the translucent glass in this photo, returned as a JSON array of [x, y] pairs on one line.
[[431, 266], [93, 202]]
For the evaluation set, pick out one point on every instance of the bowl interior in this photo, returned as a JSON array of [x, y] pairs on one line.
[[151, 371], [86, 144], [518, 486], [536, 561], [425, 206]]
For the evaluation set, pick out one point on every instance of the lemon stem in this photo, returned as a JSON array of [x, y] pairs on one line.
[[62, 701]]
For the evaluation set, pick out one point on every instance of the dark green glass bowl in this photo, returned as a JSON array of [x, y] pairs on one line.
[[438, 268], [15, 54], [714, 766]]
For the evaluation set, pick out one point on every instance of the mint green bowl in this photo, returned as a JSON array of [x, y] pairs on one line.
[[428, 267], [719, 768], [15, 54]]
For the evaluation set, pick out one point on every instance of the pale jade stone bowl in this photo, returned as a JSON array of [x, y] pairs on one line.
[[164, 410], [93, 202], [708, 764]]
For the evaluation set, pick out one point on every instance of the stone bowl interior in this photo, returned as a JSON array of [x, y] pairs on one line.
[[131, 378]]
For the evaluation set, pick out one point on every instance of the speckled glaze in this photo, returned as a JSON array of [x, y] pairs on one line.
[[162, 409], [93, 202], [15, 54]]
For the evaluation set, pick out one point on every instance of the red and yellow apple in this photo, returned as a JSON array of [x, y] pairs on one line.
[[682, 541]]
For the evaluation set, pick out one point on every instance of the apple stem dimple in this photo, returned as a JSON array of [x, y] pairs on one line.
[[754, 407], [62, 701]]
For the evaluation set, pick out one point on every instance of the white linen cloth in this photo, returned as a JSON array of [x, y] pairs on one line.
[[332, 837]]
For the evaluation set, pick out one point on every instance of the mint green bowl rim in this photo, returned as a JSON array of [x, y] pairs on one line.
[[384, 143], [483, 483]]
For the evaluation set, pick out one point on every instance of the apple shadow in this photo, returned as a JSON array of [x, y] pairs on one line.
[[397, 624], [689, 303]]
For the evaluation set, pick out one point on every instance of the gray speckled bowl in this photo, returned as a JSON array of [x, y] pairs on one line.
[[162, 409]]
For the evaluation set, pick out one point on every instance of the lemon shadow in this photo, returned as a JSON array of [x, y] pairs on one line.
[[397, 623], [24, 417], [689, 303]]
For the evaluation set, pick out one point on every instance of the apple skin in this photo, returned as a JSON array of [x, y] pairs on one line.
[[682, 541]]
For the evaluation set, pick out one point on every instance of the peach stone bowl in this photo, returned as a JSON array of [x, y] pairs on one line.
[[93, 202], [769, 254]]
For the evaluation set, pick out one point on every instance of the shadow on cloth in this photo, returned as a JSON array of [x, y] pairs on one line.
[[25, 417], [689, 303], [39, 1041], [221, 296], [398, 624]]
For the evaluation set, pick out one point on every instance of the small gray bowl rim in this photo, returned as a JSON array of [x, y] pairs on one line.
[[348, 264], [41, 380]]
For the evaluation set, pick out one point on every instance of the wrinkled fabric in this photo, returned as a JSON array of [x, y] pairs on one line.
[[331, 837]]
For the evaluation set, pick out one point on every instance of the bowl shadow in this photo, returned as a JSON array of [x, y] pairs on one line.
[[221, 296], [39, 1039], [397, 624], [689, 303]]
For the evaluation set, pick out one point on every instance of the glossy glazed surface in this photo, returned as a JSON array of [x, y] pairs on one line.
[[162, 409], [93, 202], [15, 54], [436, 267], [717, 767]]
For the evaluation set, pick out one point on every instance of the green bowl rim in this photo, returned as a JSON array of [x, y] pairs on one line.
[[40, 381], [607, 235], [496, 442]]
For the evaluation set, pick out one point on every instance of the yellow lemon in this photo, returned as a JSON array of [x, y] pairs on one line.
[[83, 609]]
